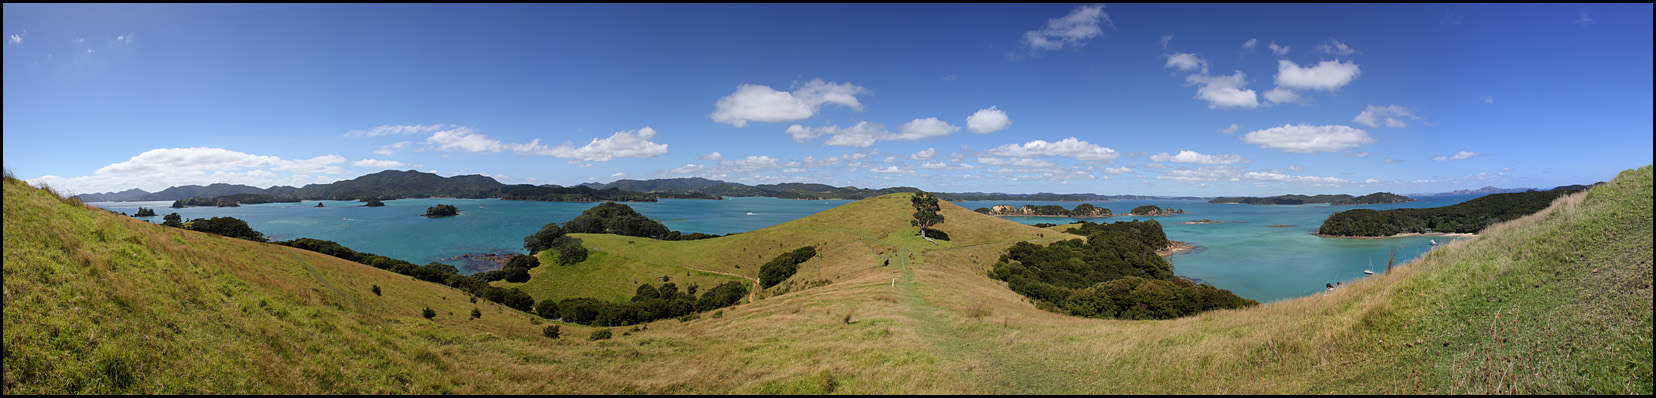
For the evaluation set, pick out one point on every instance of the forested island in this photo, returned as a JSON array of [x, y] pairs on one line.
[[1335, 200], [1084, 210], [441, 211], [234, 200], [1471, 216], [1114, 273]]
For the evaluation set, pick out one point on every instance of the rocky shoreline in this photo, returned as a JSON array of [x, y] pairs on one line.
[[1207, 221], [1175, 247], [1405, 234]]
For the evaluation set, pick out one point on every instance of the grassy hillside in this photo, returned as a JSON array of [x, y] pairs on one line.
[[1558, 302]]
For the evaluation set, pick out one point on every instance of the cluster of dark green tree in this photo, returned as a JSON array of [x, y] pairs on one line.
[[515, 271], [1114, 273], [441, 211], [226, 226], [144, 212], [373, 203], [235, 200], [926, 214], [1470, 216], [620, 219], [1041, 197], [433, 272], [784, 266], [648, 304], [553, 237], [1149, 210]]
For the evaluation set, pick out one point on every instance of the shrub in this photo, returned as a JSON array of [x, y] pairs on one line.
[[551, 331], [547, 309], [375, 289], [428, 313], [600, 334], [784, 266], [476, 314]]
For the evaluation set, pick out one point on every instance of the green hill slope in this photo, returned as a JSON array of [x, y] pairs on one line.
[[1558, 302]]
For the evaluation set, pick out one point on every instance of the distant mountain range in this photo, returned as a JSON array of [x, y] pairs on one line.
[[1490, 189], [393, 184]]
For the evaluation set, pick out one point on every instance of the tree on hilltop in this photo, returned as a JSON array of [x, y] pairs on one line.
[[926, 211]]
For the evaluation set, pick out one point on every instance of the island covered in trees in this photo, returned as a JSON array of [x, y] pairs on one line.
[[1334, 200], [441, 211], [1084, 210], [233, 200], [1114, 273], [1470, 216]]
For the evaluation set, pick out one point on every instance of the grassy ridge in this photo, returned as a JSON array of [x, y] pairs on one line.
[[606, 276], [97, 303]]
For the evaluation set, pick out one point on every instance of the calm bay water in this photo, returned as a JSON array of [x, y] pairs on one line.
[[1248, 257]]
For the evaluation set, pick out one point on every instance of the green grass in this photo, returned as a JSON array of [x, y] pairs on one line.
[[607, 276], [1559, 302]]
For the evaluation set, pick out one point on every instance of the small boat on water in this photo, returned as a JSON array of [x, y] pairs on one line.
[[1433, 242], [1371, 267], [751, 214]]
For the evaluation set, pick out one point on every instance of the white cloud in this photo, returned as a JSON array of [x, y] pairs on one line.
[[1278, 50], [618, 175], [1335, 47], [1117, 170], [948, 78], [1307, 139], [396, 130], [464, 138], [1462, 155], [928, 154], [383, 151], [1164, 41], [752, 102], [1370, 181], [622, 144], [920, 129], [1488, 100], [1250, 44], [1326, 75], [158, 169], [1268, 176], [1197, 158], [986, 121], [750, 163], [1224, 91], [1071, 31], [15, 39], [1068, 147], [860, 135], [1231, 129], [383, 164], [1281, 95], [891, 170], [712, 156], [1202, 174], [1018, 162], [933, 165], [1186, 62], [1583, 20], [1391, 161], [1390, 116]]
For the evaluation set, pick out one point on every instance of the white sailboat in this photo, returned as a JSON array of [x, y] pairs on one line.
[[1371, 267]]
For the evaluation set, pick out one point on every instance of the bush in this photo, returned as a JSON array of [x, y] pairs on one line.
[[600, 334], [569, 250], [784, 266], [476, 314], [227, 226], [551, 331], [375, 289], [543, 239], [547, 309], [428, 313]]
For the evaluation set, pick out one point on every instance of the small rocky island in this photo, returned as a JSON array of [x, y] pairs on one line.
[[374, 203], [441, 211]]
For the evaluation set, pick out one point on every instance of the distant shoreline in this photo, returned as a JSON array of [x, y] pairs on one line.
[[1402, 235]]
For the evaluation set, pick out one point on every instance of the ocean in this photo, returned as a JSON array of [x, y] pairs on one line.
[[1245, 255]]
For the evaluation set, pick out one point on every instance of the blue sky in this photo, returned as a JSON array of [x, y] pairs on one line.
[[1202, 100]]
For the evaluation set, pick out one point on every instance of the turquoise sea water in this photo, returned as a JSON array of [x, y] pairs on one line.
[[1249, 258]]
